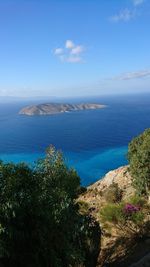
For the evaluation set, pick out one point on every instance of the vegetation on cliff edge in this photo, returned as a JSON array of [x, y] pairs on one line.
[[40, 223]]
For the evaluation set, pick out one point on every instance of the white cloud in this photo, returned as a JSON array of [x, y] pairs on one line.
[[133, 75], [69, 44], [70, 58], [74, 59], [77, 50], [58, 51], [128, 14], [138, 2], [70, 52], [124, 15]]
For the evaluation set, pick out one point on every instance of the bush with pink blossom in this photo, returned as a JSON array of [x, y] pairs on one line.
[[129, 217]]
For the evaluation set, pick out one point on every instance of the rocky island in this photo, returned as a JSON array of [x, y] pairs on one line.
[[55, 108]]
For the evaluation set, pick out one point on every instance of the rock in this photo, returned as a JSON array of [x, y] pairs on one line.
[[119, 176]]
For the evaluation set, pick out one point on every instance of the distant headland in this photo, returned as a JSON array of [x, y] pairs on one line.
[[55, 108]]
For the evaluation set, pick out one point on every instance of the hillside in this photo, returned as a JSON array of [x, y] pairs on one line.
[[118, 248], [95, 196]]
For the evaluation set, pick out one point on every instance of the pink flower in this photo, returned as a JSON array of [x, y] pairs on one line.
[[130, 208]]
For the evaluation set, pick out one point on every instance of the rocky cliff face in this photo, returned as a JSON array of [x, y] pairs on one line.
[[114, 245], [95, 194], [54, 108]]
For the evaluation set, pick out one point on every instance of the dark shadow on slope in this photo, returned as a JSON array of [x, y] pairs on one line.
[[130, 251]]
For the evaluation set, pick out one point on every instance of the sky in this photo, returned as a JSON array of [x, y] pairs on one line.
[[74, 47]]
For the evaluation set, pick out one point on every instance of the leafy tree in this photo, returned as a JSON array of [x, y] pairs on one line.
[[39, 221], [139, 160]]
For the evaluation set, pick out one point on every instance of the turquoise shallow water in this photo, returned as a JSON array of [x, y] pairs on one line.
[[95, 164], [90, 165], [93, 142]]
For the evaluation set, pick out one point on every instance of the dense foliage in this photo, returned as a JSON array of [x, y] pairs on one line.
[[139, 160], [40, 224]]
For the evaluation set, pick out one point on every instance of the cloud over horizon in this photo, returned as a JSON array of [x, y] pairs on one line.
[[133, 75], [70, 52]]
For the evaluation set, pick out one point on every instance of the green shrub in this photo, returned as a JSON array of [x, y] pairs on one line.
[[138, 218], [127, 217], [138, 200], [139, 160], [112, 213], [113, 193]]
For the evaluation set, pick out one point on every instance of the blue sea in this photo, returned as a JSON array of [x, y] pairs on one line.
[[93, 141]]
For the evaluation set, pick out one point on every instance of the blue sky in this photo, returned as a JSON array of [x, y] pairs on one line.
[[74, 47]]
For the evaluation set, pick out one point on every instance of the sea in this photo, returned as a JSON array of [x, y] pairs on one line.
[[92, 141]]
